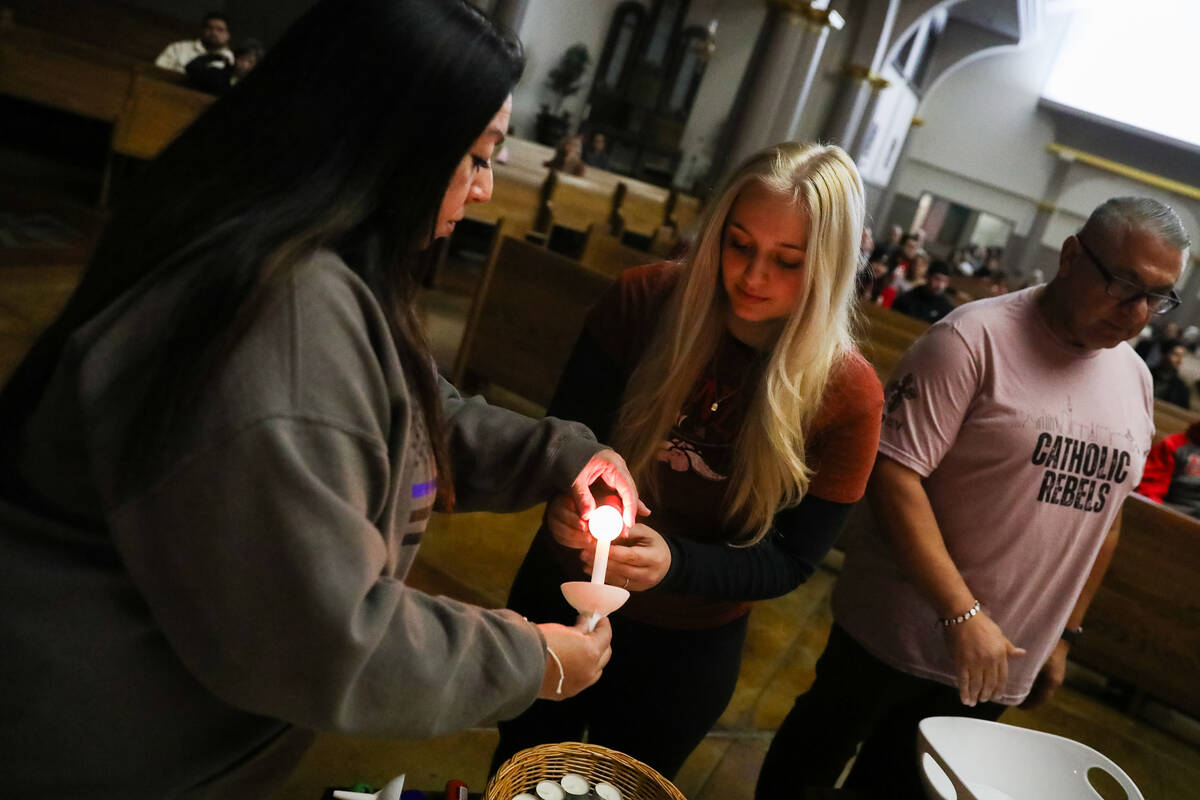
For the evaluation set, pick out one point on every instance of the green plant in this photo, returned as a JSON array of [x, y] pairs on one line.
[[564, 79]]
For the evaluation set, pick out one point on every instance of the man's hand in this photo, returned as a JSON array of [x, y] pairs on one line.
[[980, 651], [1049, 678], [582, 656], [637, 561]]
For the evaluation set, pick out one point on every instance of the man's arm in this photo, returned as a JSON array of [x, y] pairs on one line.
[[1050, 677], [978, 646]]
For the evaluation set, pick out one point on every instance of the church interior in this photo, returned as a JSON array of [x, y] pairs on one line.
[[961, 119]]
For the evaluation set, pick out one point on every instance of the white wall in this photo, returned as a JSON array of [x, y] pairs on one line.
[[548, 29], [984, 142]]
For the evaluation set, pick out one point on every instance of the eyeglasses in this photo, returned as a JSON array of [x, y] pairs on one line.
[[1127, 291]]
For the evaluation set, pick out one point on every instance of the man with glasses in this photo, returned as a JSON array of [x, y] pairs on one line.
[[1012, 433]]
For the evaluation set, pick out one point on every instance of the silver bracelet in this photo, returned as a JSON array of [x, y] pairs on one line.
[[562, 673], [963, 617]]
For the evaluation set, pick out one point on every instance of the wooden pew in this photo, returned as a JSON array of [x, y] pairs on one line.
[[1143, 626], [573, 205], [528, 310], [526, 154], [606, 254], [518, 197], [153, 115], [31, 298], [53, 71], [115, 27], [683, 212], [1170, 418], [638, 214]]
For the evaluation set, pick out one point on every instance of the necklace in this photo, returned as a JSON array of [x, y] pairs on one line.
[[729, 393]]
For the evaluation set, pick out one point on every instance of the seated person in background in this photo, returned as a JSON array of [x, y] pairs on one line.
[[875, 268], [959, 260], [568, 156], [904, 257], [990, 267], [1167, 383], [884, 291], [214, 74], [214, 38], [918, 271], [1172, 473], [596, 154], [928, 300], [1153, 349]]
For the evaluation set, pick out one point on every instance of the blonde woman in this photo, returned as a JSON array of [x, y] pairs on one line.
[[731, 384]]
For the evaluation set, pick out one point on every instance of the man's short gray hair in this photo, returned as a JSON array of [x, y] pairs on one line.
[[1119, 215]]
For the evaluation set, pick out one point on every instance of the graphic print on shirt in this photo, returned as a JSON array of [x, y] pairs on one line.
[[701, 440], [899, 391], [424, 486], [1079, 463], [1078, 474]]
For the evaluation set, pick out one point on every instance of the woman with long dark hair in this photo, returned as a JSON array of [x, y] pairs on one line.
[[219, 461]]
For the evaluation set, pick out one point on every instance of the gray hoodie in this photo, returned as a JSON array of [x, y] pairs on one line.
[[185, 641]]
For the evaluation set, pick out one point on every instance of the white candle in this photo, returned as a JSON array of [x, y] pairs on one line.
[[605, 524]]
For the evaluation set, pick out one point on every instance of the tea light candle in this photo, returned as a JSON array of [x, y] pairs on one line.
[[549, 790], [606, 791], [605, 524], [574, 785], [524, 796]]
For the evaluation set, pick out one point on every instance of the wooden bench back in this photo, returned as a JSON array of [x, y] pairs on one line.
[[154, 115], [1144, 622], [604, 253], [578, 203], [640, 213], [517, 196], [1170, 418], [31, 299], [53, 71], [684, 212], [117, 27], [527, 313]]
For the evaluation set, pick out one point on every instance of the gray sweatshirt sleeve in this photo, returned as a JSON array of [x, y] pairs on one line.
[[261, 562], [504, 461]]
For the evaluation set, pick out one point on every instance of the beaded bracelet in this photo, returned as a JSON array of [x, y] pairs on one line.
[[963, 617]]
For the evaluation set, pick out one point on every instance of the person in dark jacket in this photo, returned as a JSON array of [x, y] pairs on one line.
[[928, 301]]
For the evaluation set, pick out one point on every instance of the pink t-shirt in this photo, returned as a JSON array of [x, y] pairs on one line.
[[1028, 446]]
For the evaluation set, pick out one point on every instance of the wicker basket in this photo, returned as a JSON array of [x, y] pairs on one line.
[[633, 779]]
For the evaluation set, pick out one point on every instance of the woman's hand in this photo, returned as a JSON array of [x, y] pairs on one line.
[[637, 561], [980, 651], [609, 467], [581, 657], [565, 524]]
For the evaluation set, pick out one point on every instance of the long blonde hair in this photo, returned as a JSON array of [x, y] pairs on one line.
[[770, 471]]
